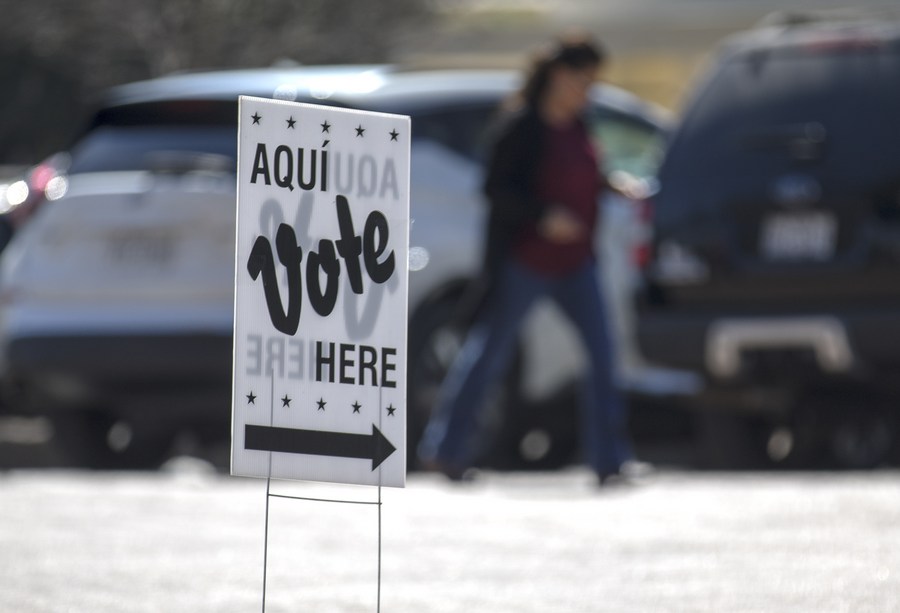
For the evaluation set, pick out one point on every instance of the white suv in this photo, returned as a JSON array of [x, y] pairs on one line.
[[116, 296]]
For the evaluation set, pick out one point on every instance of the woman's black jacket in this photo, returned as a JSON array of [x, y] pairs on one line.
[[510, 184]]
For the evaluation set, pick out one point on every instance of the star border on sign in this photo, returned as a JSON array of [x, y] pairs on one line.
[[251, 398], [394, 134], [326, 127], [291, 122], [256, 117], [391, 409], [286, 401], [356, 407], [321, 402], [360, 131]]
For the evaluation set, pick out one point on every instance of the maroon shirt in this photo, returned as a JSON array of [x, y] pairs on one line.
[[568, 175]]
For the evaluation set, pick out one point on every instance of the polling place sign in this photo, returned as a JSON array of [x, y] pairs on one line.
[[320, 294]]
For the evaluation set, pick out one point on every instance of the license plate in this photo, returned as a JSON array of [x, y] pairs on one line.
[[798, 236], [142, 250]]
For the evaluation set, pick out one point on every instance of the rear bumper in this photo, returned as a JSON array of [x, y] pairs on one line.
[[183, 373], [734, 347]]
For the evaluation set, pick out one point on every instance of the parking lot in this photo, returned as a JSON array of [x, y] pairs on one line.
[[798, 380], [190, 539]]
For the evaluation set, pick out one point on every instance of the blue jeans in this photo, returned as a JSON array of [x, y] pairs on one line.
[[488, 348]]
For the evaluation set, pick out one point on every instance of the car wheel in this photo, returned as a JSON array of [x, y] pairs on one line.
[[96, 440], [861, 437], [847, 429], [730, 441], [436, 335], [543, 434]]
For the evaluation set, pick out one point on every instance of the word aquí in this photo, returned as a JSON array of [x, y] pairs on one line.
[[300, 168], [371, 246]]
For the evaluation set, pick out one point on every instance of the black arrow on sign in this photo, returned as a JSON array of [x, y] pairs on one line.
[[373, 446]]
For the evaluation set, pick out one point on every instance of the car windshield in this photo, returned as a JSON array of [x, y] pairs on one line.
[[118, 148], [132, 137]]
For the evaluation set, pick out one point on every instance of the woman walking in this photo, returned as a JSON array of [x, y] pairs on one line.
[[543, 184]]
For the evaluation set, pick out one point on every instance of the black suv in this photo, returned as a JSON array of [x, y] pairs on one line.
[[776, 257]]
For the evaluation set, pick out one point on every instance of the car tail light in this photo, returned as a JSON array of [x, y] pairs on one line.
[[41, 175], [642, 251]]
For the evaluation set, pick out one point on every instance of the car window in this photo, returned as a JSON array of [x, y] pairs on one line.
[[627, 144], [131, 136], [833, 108], [463, 130], [117, 148], [124, 136]]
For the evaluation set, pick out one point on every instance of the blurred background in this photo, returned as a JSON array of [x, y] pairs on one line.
[[57, 58]]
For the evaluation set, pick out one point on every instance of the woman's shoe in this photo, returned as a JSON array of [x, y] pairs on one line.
[[631, 472], [453, 473]]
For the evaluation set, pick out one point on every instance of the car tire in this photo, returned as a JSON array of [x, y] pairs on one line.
[[856, 430], [437, 332], [97, 440], [730, 441], [542, 435], [862, 441]]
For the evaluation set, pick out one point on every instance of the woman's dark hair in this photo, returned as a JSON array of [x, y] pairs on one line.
[[573, 51]]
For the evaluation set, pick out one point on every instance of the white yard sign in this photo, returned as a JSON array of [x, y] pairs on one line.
[[320, 294]]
